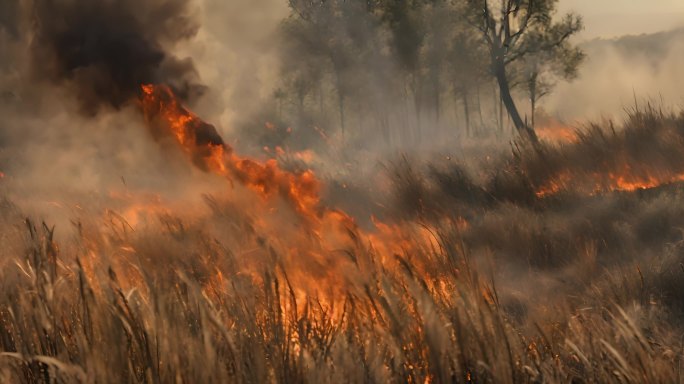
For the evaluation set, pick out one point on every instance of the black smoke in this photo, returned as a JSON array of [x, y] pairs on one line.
[[105, 49], [9, 12]]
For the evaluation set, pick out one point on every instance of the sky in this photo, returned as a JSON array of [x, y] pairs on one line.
[[612, 18]]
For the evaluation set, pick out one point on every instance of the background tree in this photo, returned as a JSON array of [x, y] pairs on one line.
[[543, 67], [405, 21], [340, 33], [379, 71], [468, 68], [506, 27]]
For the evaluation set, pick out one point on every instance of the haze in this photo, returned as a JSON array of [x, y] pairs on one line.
[[326, 191], [612, 18]]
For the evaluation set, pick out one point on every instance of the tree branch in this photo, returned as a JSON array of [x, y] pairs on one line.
[[511, 39]]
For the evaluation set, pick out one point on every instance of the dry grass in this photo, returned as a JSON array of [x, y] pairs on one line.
[[569, 289]]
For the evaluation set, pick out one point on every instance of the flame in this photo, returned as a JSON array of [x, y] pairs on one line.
[[208, 151], [551, 129], [630, 183], [137, 208], [620, 173], [554, 186], [320, 231], [167, 117], [307, 246], [557, 133], [625, 180]]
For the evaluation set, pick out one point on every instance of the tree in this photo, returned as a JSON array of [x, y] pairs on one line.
[[439, 26], [404, 19], [542, 68], [341, 33], [466, 60], [507, 29]]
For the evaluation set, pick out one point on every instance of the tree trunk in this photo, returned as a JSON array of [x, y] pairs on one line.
[[504, 88], [533, 108], [533, 98], [501, 115], [385, 126], [498, 108], [320, 98], [466, 111], [495, 109], [417, 107], [437, 104], [479, 110], [341, 106], [340, 101]]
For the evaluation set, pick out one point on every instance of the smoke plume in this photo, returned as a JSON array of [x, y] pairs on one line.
[[104, 49]]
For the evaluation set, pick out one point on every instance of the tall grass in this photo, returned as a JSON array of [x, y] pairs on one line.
[[66, 318], [570, 289]]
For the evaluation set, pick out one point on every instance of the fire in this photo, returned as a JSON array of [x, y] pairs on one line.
[[557, 133], [307, 245], [136, 208], [201, 141], [320, 230], [594, 161], [626, 180], [167, 117], [630, 183], [553, 130], [554, 186], [627, 183]]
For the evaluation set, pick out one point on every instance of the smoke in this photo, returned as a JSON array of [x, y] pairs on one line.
[[104, 50], [236, 52], [71, 71], [71, 75], [9, 11], [616, 71]]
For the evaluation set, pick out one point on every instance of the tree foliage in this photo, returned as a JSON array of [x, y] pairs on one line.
[[393, 67], [515, 30]]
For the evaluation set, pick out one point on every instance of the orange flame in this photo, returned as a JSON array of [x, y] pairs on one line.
[[553, 130], [625, 180], [202, 143], [323, 232], [554, 186]]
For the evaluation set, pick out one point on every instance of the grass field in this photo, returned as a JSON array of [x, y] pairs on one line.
[[563, 263]]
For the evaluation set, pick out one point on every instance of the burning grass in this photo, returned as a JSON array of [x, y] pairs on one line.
[[160, 305], [645, 154], [498, 278]]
